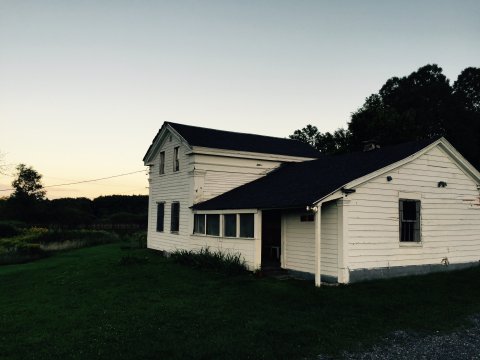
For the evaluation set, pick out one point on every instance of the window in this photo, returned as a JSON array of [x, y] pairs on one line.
[[199, 224], [213, 224], [176, 163], [230, 225], [246, 225], [409, 215], [307, 217], [162, 163], [160, 215], [175, 217]]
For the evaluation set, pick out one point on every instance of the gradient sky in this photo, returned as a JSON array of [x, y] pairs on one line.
[[85, 85]]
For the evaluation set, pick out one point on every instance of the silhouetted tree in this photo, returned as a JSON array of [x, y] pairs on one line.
[[27, 202], [326, 143], [28, 184], [418, 106], [467, 89]]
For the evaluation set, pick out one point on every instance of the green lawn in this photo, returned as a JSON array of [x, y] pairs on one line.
[[83, 304]]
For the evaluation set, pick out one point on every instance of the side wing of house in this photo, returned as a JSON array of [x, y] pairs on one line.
[[420, 217]]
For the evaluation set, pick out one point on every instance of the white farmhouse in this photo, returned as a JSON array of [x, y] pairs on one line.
[[405, 209]]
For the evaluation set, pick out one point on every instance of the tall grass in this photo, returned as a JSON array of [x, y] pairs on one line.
[[35, 243], [227, 263]]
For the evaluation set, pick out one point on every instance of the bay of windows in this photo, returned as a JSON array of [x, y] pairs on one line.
[[226, 225]]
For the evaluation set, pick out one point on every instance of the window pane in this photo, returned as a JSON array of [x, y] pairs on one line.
[[176, 163], [160, 214], [213, 225], [409, 210], [162, 162], [230, 225], [175, 217], [199, 224], [246, 225], [409, 214]]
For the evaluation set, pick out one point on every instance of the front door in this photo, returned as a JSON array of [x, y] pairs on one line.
[[271, 238]]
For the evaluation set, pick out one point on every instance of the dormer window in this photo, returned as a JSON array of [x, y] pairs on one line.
[[176, 162]]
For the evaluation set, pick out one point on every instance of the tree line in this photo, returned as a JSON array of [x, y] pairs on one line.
[[28, 204], [414, 107]]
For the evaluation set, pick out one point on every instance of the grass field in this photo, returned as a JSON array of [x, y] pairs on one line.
[[88, 304]]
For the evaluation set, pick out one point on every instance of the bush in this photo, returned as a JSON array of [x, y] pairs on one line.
[[231, 264], [89, 237], [18, 251], [8, 229]]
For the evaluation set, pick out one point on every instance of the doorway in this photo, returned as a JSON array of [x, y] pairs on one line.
[[271, 238]]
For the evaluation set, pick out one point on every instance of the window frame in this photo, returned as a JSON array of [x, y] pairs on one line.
[[417, 223], [219, 224], [162, 204], [161, 169], [222, 222], [177, 217], [176, 161], [236, 226], [204, 224]]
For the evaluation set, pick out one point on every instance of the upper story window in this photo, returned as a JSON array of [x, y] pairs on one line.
[[175, 217], [162, 163], [176, 162], [409, 215]]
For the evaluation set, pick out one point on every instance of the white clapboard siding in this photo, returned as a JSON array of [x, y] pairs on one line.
[[450, 226], [222, 173], [170, 187], [244, 247], [300, 241]]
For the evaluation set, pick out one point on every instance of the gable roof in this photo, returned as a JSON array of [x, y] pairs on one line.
[[229, 140], [301, 184]]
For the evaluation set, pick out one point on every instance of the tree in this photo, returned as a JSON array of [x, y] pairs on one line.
[[326, 143], [413, 107], [27, 184], [418, 106], [467, 89]]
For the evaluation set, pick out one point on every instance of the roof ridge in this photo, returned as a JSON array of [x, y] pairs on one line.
[[233, 132]]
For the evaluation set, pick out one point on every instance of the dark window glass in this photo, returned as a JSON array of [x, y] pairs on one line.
[[176, 162], [409, 215], [160, 215], [213, 224], [175, 217], [162, 163], [230, 224], [246, 225], [199, 224]]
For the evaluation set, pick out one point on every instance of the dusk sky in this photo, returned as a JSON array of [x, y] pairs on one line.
[[85, 85]]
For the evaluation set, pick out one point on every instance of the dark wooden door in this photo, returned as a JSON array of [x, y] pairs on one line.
[[271, 238]]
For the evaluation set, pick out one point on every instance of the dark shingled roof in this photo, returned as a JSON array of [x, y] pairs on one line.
[[301, 184], [228, 140]]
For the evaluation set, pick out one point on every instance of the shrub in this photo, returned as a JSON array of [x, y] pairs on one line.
[[15, 252], [89, 237], [8, 229], [231, 264]]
